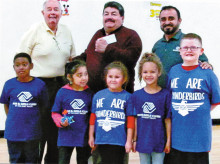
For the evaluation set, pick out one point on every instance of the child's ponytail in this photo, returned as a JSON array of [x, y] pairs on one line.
[[149, 57]]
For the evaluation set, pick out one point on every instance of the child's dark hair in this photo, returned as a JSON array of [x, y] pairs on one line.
[[192, 36], [149, 57], [72, 67], [23, 55], [118, 65]]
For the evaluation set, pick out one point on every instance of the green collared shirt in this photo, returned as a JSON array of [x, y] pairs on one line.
[[168, 52]]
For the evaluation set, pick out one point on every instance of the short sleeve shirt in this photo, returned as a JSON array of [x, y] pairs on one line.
[[193, 92], [110, 109], [77, 104], [151, 111], [49, 52], [168, 52], [24, 100]]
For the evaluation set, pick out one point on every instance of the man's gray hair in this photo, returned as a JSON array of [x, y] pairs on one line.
[[44, 4]]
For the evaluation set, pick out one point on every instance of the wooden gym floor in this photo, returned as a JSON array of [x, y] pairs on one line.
[[133, 157]]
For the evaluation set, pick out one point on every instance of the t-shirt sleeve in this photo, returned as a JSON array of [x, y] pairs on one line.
[[57, 107], [130, 107], [215, 89], [170, 74], [93, 109], [168, 104], [4, 96], [28, 40]]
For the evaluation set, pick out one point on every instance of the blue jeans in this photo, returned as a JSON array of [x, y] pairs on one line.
[[152, 158], [23, 152]]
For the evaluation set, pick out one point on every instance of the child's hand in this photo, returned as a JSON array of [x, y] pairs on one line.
[[167, 148], [128, 146], [65, 123], [92, 144], [93, 148], [134, 147]]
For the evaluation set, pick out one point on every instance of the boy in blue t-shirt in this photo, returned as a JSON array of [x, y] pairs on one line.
[[195, 92], [24, 98]]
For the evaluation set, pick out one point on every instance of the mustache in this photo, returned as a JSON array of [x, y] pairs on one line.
[[109, 20], [168, 25]]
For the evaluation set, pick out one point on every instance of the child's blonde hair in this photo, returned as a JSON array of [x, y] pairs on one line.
[[149, 57], [118, 65]]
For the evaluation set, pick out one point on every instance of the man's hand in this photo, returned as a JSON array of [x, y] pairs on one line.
[[100, 45], [205, 65]]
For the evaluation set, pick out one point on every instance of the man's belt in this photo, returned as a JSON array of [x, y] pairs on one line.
[[58, 78]]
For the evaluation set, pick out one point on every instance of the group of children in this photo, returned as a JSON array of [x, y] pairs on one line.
[[113, 119]]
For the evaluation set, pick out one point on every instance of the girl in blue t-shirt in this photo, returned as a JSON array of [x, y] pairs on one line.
[[70, 113], [151, 107], [24, 98], [110, 128]]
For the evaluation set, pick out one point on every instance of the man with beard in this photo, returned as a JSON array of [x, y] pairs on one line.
[[112, 42], [167, 48]]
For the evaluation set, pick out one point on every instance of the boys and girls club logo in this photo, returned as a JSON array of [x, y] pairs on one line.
[[24, 96], [77, 104], [148, 107]]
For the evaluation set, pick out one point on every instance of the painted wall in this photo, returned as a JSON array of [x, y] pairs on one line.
[[85, 18]]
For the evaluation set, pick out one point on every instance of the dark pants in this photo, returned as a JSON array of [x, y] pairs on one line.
[[96, 158], [111, 154], [82, 154], [50, 131], [23, 152], [176, 156]]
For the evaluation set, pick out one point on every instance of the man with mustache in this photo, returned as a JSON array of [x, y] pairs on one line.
[[167, 48], [50, 46], [112, 42]]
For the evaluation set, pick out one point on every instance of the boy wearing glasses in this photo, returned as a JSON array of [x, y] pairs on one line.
[[167, 48], [195, 92]]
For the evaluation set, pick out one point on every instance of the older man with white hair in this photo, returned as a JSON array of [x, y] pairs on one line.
[[50, 46]]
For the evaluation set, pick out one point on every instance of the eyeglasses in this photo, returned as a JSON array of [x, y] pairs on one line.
[[192, 48]]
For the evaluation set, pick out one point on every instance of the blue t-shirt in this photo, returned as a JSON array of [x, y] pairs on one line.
[[77, 104], [193, 92], [110, 109], [168, 52], [151, 111], [24, 100]]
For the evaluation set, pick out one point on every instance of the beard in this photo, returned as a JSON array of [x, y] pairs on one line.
[[170, 30]]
